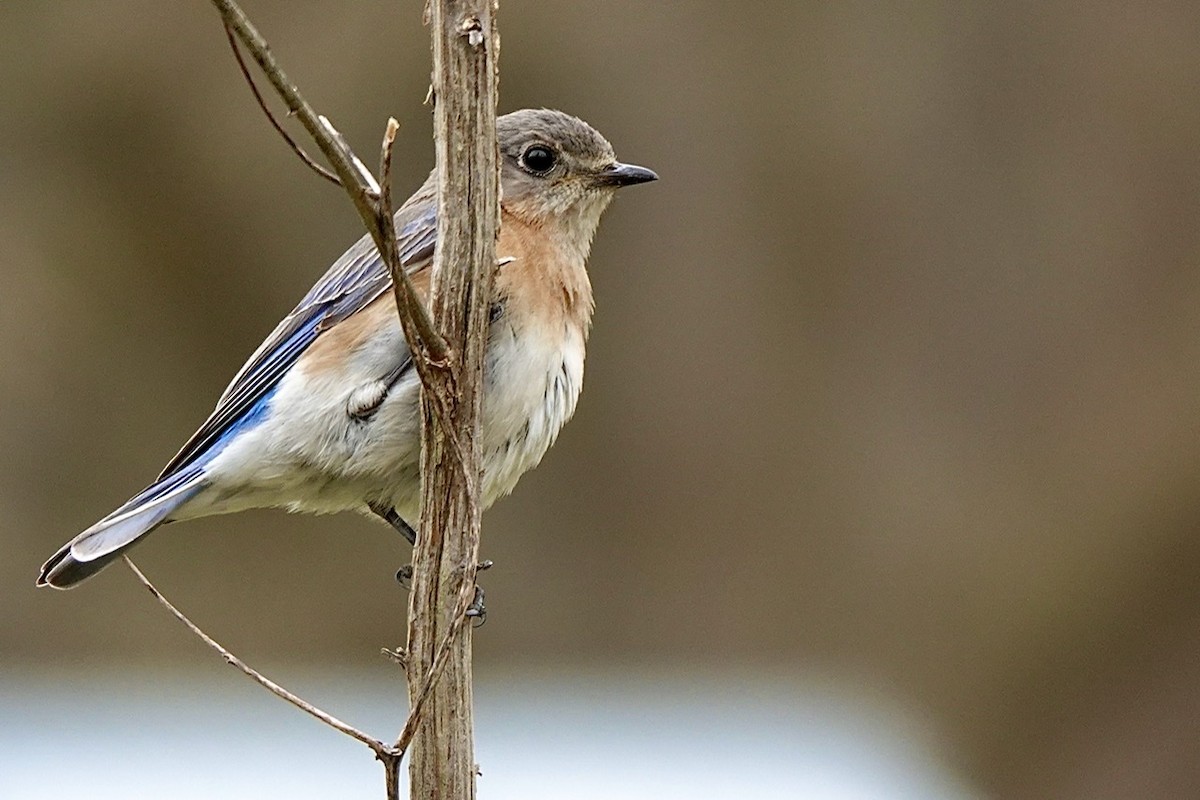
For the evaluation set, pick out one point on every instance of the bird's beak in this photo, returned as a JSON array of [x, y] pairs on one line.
[[625, 175]]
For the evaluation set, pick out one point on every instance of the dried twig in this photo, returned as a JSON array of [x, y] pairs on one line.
[[435, 671], [287, 137], [463, 275], [408, 303], [390, 755], [348, 168], [412, 311], [381, 750]]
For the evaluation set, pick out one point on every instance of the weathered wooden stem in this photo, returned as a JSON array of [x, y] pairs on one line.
[[465, 50]]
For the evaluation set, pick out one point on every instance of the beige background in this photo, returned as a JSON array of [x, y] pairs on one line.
[[895, 374]]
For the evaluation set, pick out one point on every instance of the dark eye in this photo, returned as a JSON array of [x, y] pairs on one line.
[[539, 158]]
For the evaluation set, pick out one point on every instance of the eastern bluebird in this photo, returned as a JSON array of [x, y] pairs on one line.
[[324, 415]]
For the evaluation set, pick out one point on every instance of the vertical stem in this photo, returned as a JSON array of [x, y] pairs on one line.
[[391, 777], [465, 50]]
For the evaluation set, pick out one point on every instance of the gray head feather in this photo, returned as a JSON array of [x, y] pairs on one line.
[[557, 170]]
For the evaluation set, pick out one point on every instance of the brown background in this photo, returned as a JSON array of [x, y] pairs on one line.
[[895, 374]]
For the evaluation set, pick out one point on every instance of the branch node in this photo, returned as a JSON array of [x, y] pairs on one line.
[[399, 656], [472, 28]]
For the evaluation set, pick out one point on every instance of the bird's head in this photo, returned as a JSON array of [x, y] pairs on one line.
[[558, 170]]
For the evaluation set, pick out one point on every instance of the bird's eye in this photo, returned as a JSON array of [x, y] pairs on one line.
[[539, 158]]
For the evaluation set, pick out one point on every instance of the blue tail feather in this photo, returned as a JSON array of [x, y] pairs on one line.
[[96, 547]]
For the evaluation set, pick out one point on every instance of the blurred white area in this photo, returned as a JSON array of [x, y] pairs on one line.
[[549, 736]]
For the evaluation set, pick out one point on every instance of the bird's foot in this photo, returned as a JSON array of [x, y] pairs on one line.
[[404, 577], [477, 612]]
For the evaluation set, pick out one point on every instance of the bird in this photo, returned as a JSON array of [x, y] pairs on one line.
[[324, 416]]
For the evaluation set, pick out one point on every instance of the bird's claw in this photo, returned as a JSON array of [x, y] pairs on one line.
[[404, 576], [476, 610]]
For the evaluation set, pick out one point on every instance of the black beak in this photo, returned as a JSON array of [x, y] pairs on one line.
[[625, 175]]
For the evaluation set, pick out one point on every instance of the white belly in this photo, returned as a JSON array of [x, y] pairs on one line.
[[533, 385], [309, 454]]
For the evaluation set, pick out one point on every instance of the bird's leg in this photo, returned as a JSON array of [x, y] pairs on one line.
[[389, 515], [405, 573]]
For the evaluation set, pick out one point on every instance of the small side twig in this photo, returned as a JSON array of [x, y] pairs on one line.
[[345, 164], [439, 664], [381, 750], [408, 302], [414, 315], [262, 103], [398, 656]]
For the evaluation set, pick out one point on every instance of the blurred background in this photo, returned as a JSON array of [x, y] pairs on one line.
[[890, 438]]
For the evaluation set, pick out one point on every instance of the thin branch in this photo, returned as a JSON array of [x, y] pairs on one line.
[[390, 756], [391, 778], [439, 663], [408, 302], [235, 19], [287, 137], [466, 44], [414, 315], [347, 167], [381, 750]]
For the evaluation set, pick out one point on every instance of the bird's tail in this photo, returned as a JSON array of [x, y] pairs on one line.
[[92, 550]]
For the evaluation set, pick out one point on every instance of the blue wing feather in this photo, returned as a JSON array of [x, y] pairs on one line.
[[354, 280]]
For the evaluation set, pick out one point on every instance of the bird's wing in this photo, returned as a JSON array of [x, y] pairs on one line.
[[354, 280]]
